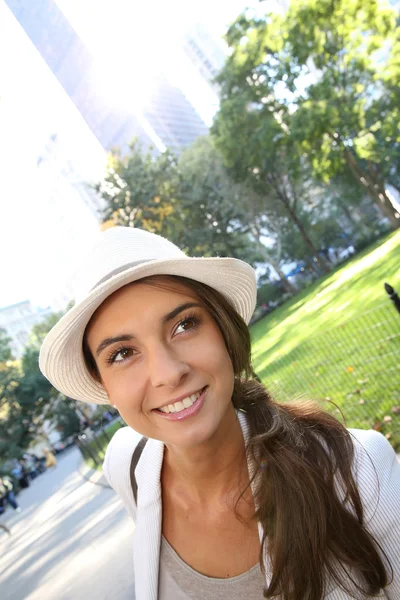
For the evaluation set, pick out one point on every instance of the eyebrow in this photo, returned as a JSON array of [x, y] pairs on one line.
[[127, 337], [112, 340], [174, 313]]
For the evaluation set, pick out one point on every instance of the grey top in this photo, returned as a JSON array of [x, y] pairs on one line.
[[178, 581]]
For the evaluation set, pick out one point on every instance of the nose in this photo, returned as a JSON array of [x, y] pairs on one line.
[[166, 367]]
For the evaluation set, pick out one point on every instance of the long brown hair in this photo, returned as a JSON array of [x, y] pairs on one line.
[[306, 497]]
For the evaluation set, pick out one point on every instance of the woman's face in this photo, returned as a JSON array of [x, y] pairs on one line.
[[163, 362]]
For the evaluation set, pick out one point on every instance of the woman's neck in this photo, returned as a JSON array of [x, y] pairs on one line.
[[211, 471]]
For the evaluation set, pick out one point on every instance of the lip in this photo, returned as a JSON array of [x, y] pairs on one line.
[[186, 412]]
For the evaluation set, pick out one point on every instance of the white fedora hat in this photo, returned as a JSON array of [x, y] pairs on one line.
[[124, 255]]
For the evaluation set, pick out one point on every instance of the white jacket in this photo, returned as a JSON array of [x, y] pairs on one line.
[[376, 470]]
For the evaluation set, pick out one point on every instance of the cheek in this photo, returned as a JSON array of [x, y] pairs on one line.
[[219, 360], [123, 390]]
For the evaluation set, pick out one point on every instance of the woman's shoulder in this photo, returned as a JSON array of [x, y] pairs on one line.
[[376, 470], [371, 446]]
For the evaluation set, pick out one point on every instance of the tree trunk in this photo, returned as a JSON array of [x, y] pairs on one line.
[[355, 223], [375, 189], [287, 285], [321, 261], [282, 197]]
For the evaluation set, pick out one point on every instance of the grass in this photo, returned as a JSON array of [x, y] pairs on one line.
[[340, 339]]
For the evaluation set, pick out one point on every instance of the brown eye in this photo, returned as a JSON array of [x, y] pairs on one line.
[[187, 324], [120, 355]]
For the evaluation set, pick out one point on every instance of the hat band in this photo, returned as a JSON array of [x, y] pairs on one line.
[[120, 270]]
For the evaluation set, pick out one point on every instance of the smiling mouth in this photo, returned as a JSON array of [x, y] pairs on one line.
[[177, 407]]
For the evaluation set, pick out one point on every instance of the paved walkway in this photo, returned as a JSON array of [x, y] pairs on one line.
[[72, 540]]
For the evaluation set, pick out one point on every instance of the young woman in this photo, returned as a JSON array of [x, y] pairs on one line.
[[232, 494]]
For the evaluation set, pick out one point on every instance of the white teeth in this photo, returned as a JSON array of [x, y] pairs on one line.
[[181, 405]]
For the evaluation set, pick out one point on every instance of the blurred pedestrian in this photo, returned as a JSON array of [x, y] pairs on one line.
[[7, 495], [39, 466], [30, 465], [50, 459], [23, 474]]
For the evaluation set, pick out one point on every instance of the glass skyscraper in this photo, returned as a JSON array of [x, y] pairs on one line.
[[168, 119]]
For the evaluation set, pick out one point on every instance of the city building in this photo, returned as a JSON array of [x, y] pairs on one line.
[[18, 320], [205, 51], [169, 119], [71, 206], [65, 163]]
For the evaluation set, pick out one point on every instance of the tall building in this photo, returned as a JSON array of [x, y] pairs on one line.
[[169, 119], [70, 174], [205, 51]]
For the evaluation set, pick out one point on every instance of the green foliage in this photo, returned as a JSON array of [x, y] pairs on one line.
[[318, 84], [191, 201], [268, 292], [5, 347], [213, 206], [140, 190], [27, 397], [259, 152], [10, 378], [64, 414]]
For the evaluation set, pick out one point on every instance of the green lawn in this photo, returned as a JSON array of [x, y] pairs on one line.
[[340, 338]]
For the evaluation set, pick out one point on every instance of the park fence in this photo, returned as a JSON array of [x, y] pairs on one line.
[[354, 365], [93, 444]]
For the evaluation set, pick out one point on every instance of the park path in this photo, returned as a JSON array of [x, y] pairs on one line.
[[72, 540]]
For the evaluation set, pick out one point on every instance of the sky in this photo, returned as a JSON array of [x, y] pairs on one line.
[[41, 237]]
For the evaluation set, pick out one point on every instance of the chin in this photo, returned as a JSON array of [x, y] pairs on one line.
[[197, 435]]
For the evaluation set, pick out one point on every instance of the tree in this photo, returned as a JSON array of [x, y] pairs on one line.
[[355, 212], [191, 200], [27, 398], [222, 216], [329, 73], [5, 346], [212, 207], [66, 417], [9, 382], [219, 213], [140, 190], [258, 151], [35, 391], [340, 118]]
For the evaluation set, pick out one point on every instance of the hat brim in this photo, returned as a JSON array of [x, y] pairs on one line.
[[61, 356]]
